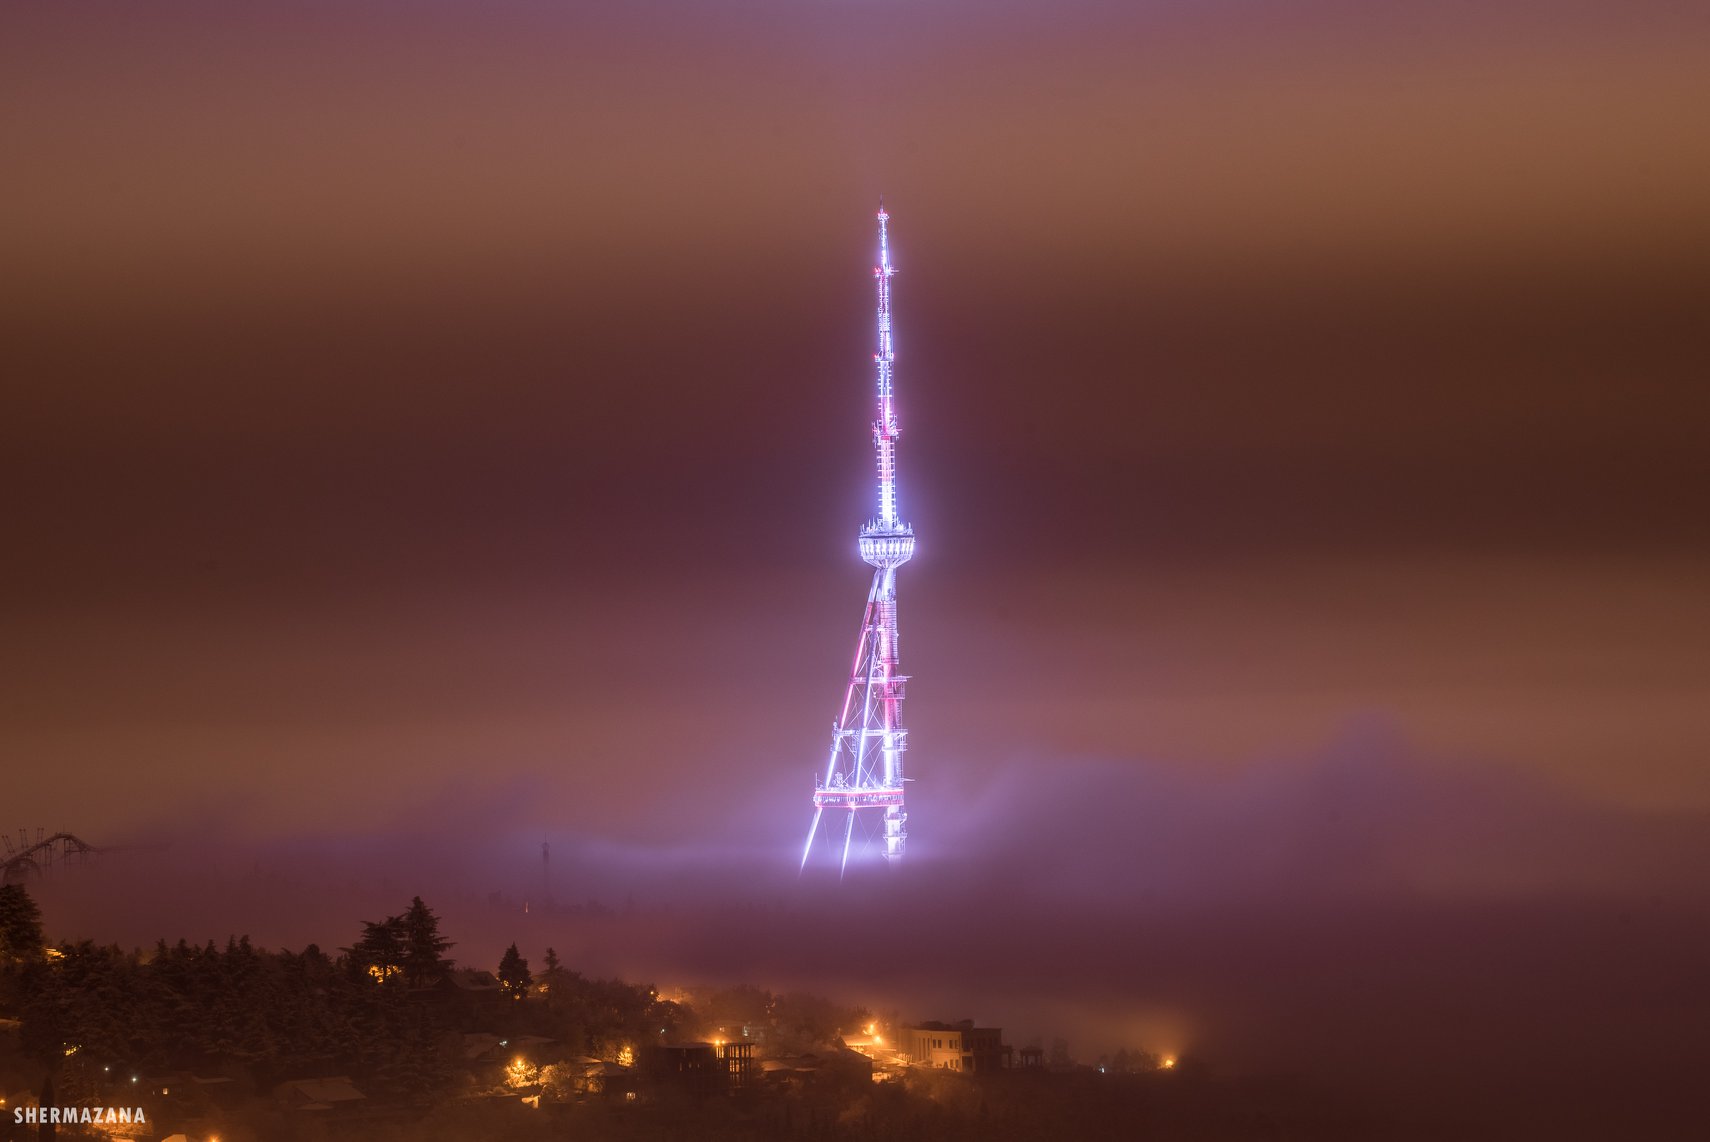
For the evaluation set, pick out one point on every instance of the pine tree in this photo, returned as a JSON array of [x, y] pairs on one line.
[[552, 976], [424, 948], [380, 952], [514, 976], [20, 925]]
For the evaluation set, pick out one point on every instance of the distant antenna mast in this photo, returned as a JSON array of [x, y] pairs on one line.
[[864, 774]]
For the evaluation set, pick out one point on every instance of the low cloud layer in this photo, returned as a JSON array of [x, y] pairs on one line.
[[1389, 930]]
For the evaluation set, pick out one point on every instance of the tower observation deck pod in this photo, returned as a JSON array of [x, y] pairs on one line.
[[863, 776]]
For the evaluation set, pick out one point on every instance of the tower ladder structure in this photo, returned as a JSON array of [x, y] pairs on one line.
[[863, 776]]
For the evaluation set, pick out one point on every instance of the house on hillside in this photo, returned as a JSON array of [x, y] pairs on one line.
[[334, 1096], [957, 1046], [688, 1068], [583, 1077], [472, 999]]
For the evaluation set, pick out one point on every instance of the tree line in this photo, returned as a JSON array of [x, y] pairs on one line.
[[374, 1010]]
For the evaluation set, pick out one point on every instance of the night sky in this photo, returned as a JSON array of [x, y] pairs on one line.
[[440, 419]]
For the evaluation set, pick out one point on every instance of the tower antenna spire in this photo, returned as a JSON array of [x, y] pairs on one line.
[[885, 428], [864, 771]]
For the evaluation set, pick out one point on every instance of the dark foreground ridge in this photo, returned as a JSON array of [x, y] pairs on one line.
[[390, 1038]]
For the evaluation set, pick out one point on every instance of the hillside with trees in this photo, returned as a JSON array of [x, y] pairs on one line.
[[389, 1037]]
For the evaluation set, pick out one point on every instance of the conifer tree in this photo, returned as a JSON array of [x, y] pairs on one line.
[[514, 976], [552, 976], [380, 953], [20, 925], [424, 948]]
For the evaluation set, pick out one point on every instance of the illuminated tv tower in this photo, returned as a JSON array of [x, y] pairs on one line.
[[864, 774]]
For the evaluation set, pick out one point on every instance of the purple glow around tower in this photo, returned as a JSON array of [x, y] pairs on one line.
[[864, 772]]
